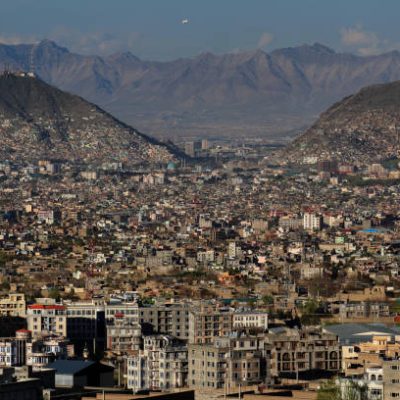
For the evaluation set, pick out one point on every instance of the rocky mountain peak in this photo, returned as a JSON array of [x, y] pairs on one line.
[[360, 129], [41, 121]]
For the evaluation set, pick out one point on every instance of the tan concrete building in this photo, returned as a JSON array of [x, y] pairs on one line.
[[123, 336], [227, 362], [47, 319], [358, 358], [295, 351], [14, 305], [391, 379], [207, 322], [168, 318]]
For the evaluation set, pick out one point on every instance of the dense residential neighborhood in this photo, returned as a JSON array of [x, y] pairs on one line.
[[225, 273]]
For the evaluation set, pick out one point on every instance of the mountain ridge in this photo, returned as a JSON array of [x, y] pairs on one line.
[[40, 121], [360, 129], [250, 92]]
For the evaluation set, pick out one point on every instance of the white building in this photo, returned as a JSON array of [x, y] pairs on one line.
[[23, 350], [232, 250], [373, 379], [250, 319], [89, 175], [11, 353], [309, 271], [205, 256], [41, 352], [161, 365], [312, 221], [47, 319], [373, 382]]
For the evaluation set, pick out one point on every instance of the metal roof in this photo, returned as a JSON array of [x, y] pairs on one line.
[[69, 367], [354, 333]]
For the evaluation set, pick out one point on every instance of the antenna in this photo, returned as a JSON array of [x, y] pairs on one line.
[[7, 69], [397, 138], [32, 67]]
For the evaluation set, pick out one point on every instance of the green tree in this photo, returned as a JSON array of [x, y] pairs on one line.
[[71, 295], [349, 390], [147, 301], [268, 300], [4, 257], [329, 391], [54, 293], [309, 313], [252, 303], [5, 285]]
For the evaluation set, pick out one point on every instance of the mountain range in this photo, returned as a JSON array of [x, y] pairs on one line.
[[275, 94], [40, 121]]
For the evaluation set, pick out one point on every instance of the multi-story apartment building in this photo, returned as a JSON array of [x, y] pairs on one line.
[[41, 352], [312, 222], [47, 319], [356, 359], [123, 336], [297, 351], [250, 319], [373, 380], [13, 350], [391, 379], [364, 309], [86, 325], [290, 222], [228, 362], [207, 322], [167, 318], [118, 308], [208, 364], [206, 256], [23, 350], [49, 217], [87, 322], [162, 364], [14, 305]]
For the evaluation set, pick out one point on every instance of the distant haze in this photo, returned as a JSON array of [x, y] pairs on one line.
[[252, 93]]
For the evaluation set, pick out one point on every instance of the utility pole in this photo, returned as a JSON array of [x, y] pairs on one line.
[[32, 67], [288, 282], [296, 361]]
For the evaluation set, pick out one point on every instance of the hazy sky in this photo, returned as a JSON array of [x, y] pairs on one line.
[[152, 29]]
